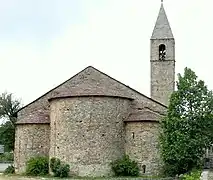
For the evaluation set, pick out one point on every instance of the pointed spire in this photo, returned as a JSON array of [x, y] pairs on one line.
[[162, 28]]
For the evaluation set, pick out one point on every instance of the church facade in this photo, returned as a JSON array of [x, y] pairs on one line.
[[92, 119]]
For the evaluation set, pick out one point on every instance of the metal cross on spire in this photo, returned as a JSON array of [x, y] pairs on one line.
[[161, 1]]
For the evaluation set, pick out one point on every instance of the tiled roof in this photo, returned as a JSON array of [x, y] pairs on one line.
[[144, 115], [35, 118], [81, 89], [89, 82]]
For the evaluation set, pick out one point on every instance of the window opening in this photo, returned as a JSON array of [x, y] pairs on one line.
[[144, 168], [133, 135], [162, 52]]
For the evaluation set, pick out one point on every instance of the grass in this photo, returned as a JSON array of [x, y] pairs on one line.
[[19, 177]]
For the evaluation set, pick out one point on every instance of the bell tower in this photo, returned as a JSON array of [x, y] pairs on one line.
[[162, 59]]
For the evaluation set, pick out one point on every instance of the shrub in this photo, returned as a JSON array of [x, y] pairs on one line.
[[9, 170], [55, 165], [37, 166], [6, 157], [194, 175], [64, 170], [125, 167], [59, 169]]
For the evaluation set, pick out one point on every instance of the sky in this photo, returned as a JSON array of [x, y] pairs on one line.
[[45, 42]]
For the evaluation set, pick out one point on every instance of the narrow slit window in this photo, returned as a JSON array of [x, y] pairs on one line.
[[133, 135], [144, 168], [162, 52]]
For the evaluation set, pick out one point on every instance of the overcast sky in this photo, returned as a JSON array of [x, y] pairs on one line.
[[45, 42]]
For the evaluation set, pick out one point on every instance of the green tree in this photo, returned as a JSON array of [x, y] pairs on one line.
[[8, 108], [187, 130]]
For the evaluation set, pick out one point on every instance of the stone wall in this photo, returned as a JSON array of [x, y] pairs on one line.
[[142, 145], [88, 82], [88, 132], [162, 80], [31, 140], [162, 71]]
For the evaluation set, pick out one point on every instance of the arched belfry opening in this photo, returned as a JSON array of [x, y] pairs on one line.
[[162, 52]]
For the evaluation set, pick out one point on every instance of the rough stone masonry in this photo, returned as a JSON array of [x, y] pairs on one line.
[[92, 119]]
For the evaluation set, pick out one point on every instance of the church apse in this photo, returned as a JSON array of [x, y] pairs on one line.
[[88, 132]]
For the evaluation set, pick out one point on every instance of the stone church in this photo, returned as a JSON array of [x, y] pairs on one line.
[[92, 119]]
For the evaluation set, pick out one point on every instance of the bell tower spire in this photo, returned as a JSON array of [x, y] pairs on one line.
[[162, 27], [162, 59]]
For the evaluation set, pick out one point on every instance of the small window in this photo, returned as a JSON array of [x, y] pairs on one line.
[[133, 135], [162, 52], [144, 168]]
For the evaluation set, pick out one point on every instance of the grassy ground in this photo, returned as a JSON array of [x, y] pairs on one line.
[[15, 177]]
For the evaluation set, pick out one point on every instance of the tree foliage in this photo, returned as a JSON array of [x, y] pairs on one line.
[[8, 108], [7, 136], [188, 127]]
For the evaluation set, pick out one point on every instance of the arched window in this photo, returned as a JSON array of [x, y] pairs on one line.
[[162, 52], [144, 168]]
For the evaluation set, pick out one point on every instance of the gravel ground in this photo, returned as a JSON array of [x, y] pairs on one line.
[[210, 175]]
